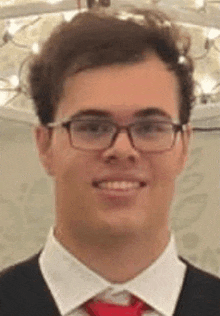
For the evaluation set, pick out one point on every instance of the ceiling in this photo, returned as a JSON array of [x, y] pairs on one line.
[[33, 20]]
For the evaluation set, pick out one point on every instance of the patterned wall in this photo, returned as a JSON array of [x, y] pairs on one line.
[[196, 216]]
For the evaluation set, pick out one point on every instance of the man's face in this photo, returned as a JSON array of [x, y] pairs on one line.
[[84, 209]]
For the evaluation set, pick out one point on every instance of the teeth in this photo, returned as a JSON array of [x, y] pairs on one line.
[[122, 185]]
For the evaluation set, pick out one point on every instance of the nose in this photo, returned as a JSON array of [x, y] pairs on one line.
[[121, 150]]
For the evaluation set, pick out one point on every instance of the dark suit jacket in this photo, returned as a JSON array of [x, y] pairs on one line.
[[23, 292]]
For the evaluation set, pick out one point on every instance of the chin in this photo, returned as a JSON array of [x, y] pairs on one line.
[[123, 224]]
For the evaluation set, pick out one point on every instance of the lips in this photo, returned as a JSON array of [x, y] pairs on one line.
[[119, 183]]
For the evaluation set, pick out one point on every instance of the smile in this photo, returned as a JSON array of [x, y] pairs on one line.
[[119, 185]]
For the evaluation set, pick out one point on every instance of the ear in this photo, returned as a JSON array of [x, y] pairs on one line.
[[187, 138], [186, 141], [43, 140]]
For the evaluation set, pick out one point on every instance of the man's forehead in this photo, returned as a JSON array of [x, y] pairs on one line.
[[126, 91]]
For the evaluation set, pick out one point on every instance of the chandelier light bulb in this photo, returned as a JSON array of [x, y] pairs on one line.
[[199, 4], [3, 97], [53, 1], [68, 16], [207, 83], [14, 81], [213, 33], [182, 60], [35, 48], [13, 28]]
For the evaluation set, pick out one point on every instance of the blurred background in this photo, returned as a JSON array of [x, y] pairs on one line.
[[26, 192]]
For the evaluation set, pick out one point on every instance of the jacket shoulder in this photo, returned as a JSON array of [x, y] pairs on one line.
[[200, 294], [24, 291], [196, 276], [26, 267]]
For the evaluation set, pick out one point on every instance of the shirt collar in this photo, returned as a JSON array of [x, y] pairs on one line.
[[72, 283]]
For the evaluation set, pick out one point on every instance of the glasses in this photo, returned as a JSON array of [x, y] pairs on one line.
[[97, 134]]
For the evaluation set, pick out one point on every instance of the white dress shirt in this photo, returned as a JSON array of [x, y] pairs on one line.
[[72, 283]]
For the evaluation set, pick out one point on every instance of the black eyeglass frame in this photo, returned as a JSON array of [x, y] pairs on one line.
[[66, 123]]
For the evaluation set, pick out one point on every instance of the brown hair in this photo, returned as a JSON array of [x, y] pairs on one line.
[[97, 38]]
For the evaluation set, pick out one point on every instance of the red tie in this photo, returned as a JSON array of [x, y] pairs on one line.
[[97, 308]]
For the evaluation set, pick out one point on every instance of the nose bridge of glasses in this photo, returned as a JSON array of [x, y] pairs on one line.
[[122, 133]]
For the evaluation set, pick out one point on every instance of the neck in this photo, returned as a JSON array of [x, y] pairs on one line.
[[118, 260]]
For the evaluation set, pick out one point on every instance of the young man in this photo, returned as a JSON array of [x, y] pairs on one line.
[[113, 97]]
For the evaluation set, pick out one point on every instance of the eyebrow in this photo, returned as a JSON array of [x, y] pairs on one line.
[[151, 111], [91, 112]]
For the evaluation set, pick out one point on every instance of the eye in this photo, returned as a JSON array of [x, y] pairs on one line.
[[152, 128], [96, 128]]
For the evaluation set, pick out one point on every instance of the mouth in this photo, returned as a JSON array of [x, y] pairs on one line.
[[118, 185]]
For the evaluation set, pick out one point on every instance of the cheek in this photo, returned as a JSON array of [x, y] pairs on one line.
[[166, 168], [74, 167]]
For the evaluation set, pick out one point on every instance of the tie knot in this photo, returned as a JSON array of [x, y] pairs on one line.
[[98, 308]]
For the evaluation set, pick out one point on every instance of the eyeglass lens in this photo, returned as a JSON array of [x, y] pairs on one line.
[[98, 134]]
